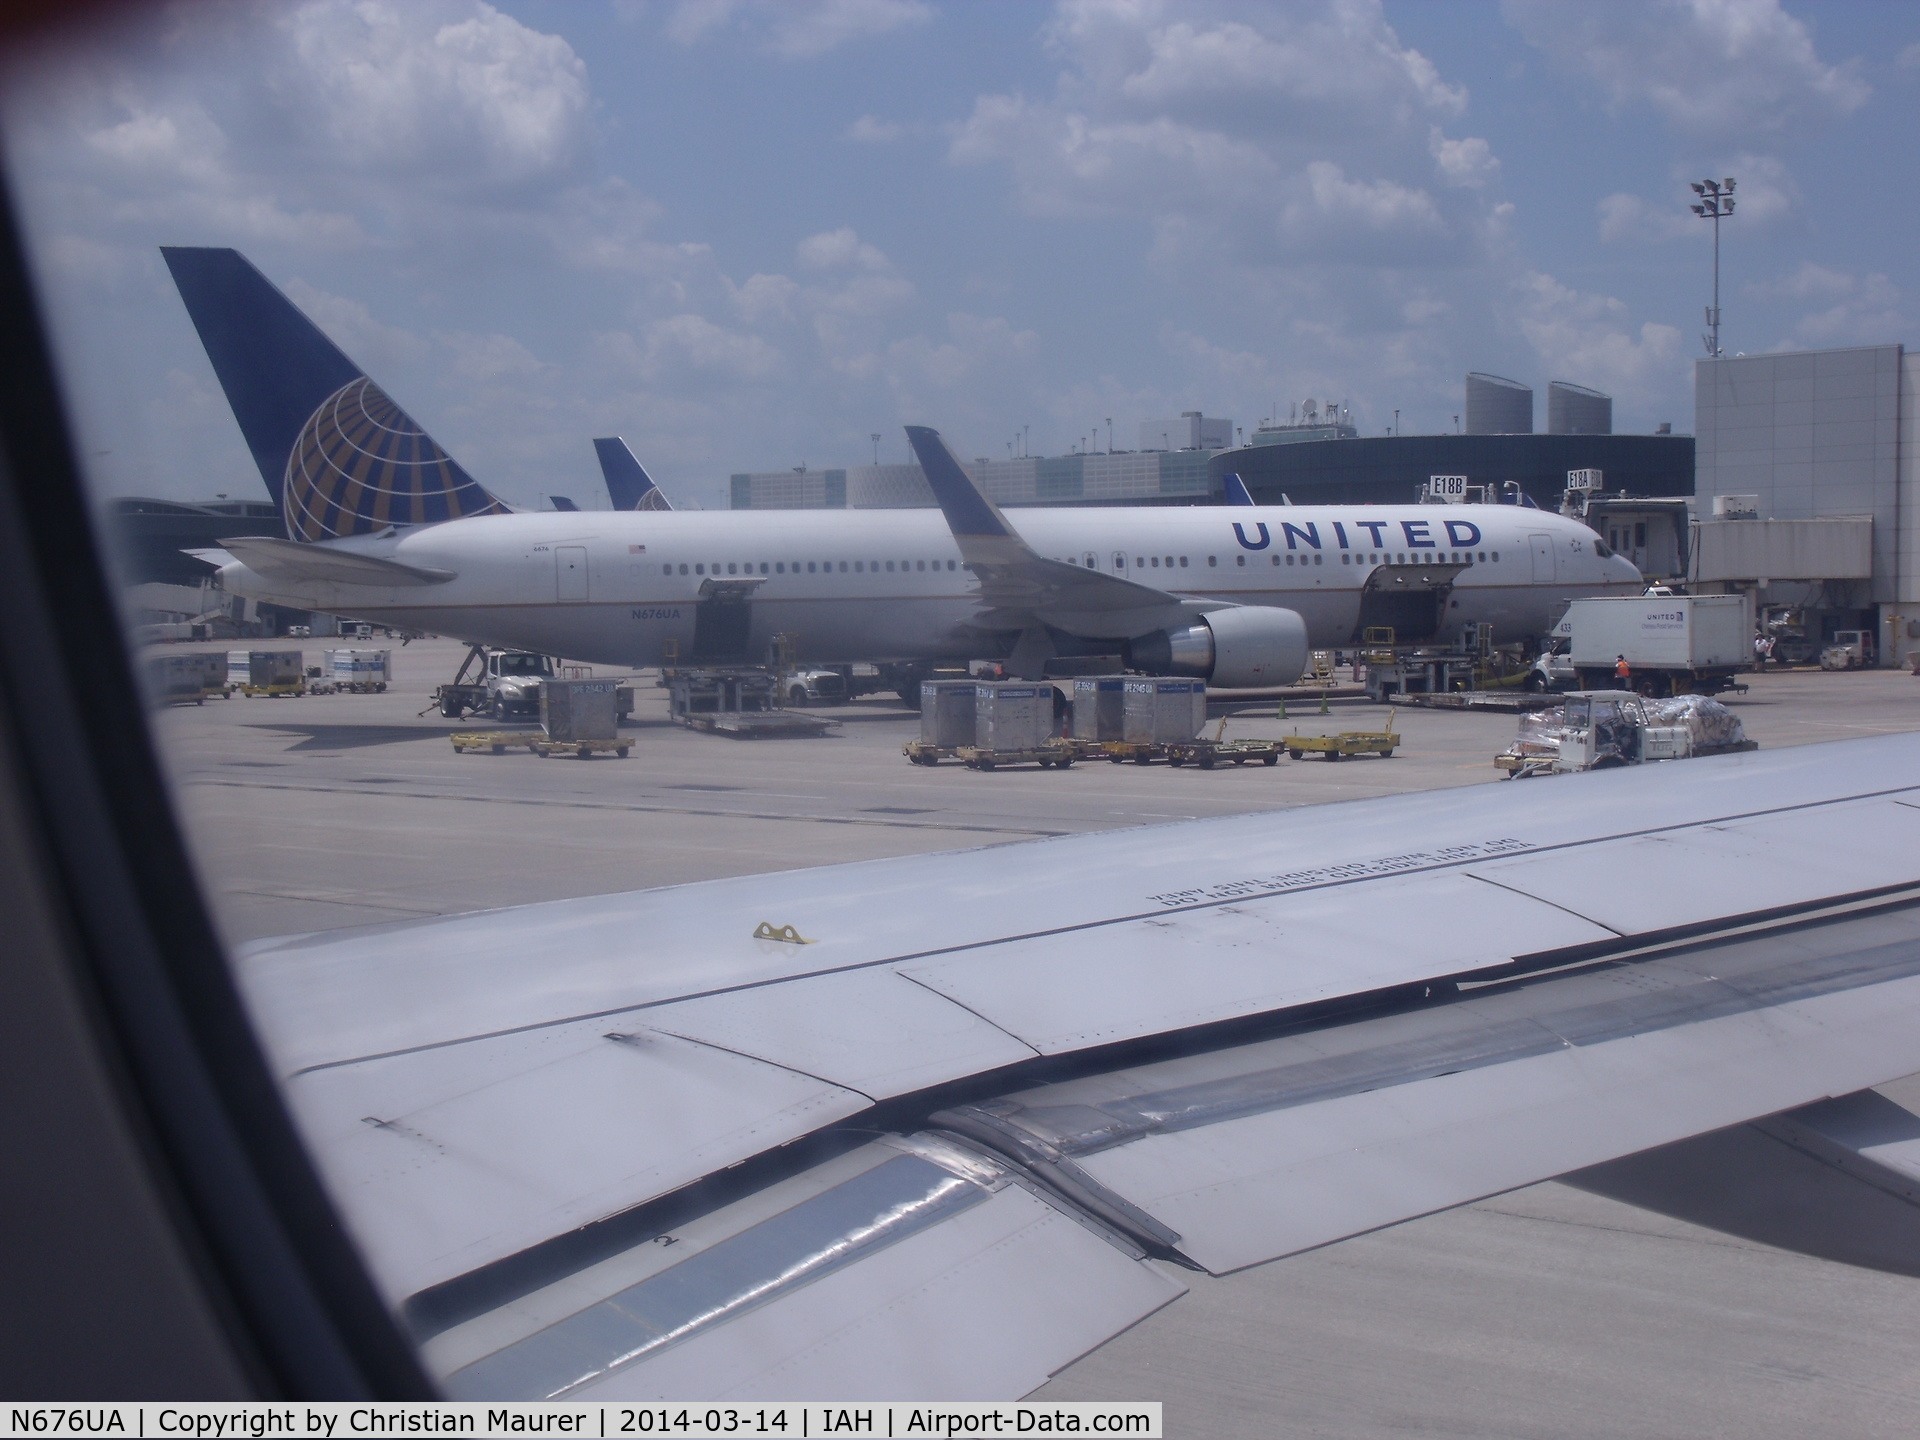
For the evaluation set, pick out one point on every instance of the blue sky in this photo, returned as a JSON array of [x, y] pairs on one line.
[[746, 235]]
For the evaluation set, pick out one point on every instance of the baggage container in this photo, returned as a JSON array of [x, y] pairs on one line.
[[946, 713], [573, 711], [1160, 710], [180, 679], [1100, 707], [267, 672], [1012, 714], [364, 670]]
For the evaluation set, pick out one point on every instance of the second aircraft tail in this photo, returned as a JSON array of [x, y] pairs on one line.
[[628, 483], [338, 456]]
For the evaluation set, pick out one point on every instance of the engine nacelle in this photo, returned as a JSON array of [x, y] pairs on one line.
[[1249, 647]]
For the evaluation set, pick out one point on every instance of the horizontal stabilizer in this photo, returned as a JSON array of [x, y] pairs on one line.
[[289, 560]]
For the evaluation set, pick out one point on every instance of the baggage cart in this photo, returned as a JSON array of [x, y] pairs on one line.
[[1346, 743], [1099, 707], [536, 742], [1206, 754], [1051, 755]]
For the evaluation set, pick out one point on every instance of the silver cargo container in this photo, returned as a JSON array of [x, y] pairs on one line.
[[260, 669], [1012, 714], [360, 669], [579, 709], [1100, 707], [946, 713], [1160, 710]]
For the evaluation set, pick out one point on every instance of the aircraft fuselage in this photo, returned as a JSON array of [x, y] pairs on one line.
[[615, 587]]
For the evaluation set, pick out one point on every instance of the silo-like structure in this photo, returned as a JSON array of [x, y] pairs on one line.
[[1498, 406], [1576, 410]]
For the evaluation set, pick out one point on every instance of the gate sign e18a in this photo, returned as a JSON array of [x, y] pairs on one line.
[[1584, 480]]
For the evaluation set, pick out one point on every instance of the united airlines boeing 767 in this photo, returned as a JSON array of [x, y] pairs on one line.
[[387, 527]]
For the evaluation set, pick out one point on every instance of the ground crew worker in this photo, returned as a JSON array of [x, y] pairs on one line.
[[1621, 671]]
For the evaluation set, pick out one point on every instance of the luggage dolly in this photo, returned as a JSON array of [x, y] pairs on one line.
[[925, 752], [1055, 754], [498, 742], [1346, 743], [1208, 753]]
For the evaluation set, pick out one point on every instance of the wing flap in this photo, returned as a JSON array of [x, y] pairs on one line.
[[292, 560], [1260, 1151], [905, 1270]]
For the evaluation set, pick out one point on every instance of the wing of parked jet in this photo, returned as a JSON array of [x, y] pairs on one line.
[[628, 483], [290, 560], [936, 1126], [1020, 587]]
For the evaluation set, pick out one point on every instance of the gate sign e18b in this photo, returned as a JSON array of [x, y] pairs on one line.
[[1450, 488]]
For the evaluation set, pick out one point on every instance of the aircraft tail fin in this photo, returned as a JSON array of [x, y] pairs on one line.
[[338, 456], [563, 502], [1236, 491], [627, 479]]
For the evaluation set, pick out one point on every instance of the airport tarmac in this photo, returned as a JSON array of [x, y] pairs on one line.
[[1546, 1312]]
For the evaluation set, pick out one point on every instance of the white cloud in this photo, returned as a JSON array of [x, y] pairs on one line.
[[872, 130], [1469, 161], [696, 343], [1591, 340], [1253, 137], [461, 96], [795, 30], [1709, 67], [1843, 308], [839, 250]]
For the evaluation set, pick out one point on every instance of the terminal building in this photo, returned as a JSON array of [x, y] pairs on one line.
[[1808, 492]]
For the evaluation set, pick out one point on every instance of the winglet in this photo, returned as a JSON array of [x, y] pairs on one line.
[[627, 480], [968, 512], [1236, 492]]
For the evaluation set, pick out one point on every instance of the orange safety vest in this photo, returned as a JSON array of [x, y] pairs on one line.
[[1620, 670]]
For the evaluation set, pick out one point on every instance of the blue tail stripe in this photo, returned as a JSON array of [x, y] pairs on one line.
[[1235, 490]]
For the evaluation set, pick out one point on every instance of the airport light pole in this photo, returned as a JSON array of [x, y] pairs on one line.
[[1716, 204], [874, 435], [1109, 434]]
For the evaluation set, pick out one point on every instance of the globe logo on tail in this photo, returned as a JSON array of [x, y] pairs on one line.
[[361, 464]]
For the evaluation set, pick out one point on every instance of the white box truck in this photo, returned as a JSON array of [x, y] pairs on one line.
[[1673, 644]]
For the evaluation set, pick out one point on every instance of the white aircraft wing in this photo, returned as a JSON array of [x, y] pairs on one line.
[[295, 561], [982, 1110], [1019, 587]]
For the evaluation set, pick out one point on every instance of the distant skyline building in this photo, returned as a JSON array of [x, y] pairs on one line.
[[1498, 406], [1576, 410], [1192, 431]]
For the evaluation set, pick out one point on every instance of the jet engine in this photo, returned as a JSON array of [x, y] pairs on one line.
[[1247, 647]]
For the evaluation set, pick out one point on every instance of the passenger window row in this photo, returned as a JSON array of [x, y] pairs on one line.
[[815, 567]]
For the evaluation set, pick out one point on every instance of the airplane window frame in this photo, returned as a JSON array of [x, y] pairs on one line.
[[293, 1301]]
